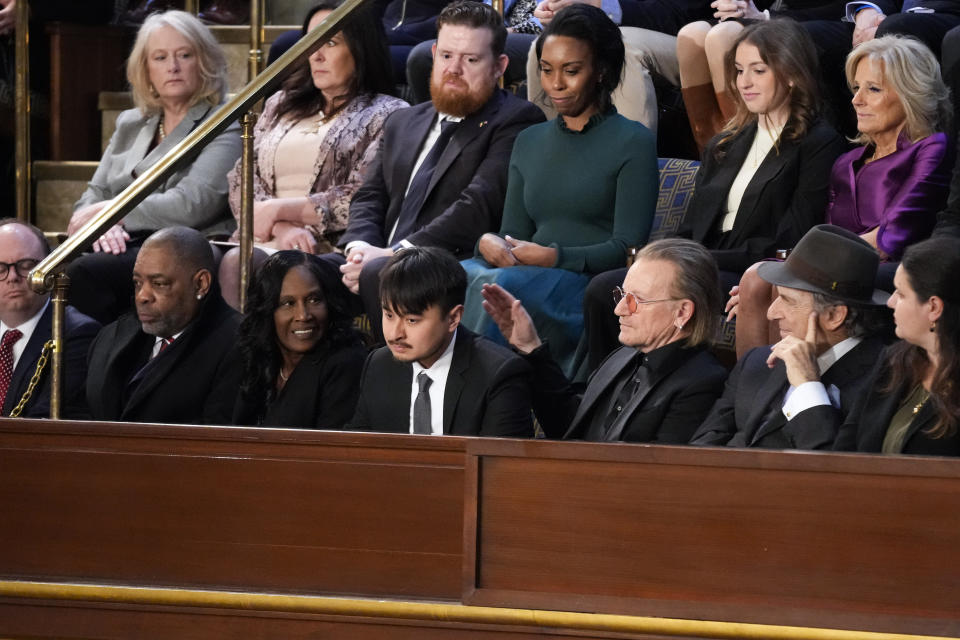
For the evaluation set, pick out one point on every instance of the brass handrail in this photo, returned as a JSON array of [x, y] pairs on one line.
[[49, 271], [22, 104], [185, 151], [592, 623], [255, 62]]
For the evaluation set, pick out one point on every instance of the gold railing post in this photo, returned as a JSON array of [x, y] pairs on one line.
[[246, 205], [497, 6], [59, 300], [22, 106], [191, 6], [256, 39]]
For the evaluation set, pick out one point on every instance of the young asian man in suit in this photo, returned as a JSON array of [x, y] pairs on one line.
[[434, 376], [441, 175], [26, 320]]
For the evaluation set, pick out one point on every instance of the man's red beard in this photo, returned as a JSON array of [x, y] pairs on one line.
[[457, 100]]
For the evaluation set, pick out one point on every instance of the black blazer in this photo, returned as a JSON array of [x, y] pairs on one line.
[[667, 412], [191, 382], [866, 425], [320, 394], [786, 197], [465, 196], [80, 330], [753, 390], [487, 391]]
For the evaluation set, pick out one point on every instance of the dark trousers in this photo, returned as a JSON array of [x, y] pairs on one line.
[[101, 284], [368, 301]]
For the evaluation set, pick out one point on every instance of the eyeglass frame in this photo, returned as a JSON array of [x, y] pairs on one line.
[[5, 268], [619, 293]]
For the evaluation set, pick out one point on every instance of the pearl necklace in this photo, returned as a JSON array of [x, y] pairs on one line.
[[161, 132]]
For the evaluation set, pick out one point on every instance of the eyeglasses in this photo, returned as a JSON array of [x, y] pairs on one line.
[[634, 301], [23, 268]]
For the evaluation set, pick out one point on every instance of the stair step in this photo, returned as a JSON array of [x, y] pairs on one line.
[[58, 186]]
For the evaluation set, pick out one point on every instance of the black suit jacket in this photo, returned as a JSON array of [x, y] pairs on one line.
[[487, 391], [465, 196], [668, 411], [866, 425], [754, 391], [786, 197], [320, 394], [191, 382], [80, 330]]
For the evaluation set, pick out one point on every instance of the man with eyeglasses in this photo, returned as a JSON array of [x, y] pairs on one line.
[[661, 383], [25, 326]]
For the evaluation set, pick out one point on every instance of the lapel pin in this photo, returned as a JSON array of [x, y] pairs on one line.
[[483, 123]]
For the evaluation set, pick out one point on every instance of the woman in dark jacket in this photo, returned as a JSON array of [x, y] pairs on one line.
[[913, 400], [301, 356]]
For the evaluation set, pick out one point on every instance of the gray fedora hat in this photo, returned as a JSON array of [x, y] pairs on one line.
[[832, 261]]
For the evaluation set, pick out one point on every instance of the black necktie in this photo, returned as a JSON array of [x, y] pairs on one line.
[[421, 406], [417, 193]]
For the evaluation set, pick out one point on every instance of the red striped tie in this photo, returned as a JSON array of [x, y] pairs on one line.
[[6, 360]]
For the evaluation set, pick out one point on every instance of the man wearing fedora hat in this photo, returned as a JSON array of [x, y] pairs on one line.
[[830, 320]]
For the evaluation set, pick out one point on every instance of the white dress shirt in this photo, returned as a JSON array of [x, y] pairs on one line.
[[438, 374], [815, 394]]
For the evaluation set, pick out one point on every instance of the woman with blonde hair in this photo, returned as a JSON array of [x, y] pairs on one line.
[[889, 190], [177, 74]]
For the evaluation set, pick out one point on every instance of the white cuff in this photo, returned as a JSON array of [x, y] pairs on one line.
[[806, 396]]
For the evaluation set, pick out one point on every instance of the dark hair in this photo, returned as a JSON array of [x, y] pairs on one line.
[[42, 239], [373, 72], [419, 277], [257, 336], [861, 319], [931, 268], [592, 26], [788, 50], [476, 15]]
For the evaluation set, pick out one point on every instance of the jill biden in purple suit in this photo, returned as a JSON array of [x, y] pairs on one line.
[[890, 189]]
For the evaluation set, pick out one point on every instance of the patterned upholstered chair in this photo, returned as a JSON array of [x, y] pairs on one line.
[[677, 178], [676, 188]]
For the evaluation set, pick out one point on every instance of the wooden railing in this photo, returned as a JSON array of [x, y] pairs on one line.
[[449, 535]]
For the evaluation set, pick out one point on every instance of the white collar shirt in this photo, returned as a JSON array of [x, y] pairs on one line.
[[438, 373], [27, 329]]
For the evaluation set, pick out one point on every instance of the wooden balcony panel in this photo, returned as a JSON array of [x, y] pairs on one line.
[[839, 541], [231, 508]]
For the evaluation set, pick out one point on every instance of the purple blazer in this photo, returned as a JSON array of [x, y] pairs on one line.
[[900, 193]]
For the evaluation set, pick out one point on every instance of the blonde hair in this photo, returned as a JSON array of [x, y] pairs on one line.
[[911, 69], [211, 63]]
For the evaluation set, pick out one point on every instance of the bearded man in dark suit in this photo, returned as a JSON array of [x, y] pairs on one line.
[[441, 175]]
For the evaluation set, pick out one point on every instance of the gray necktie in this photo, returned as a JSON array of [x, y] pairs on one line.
[[421, 406]]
